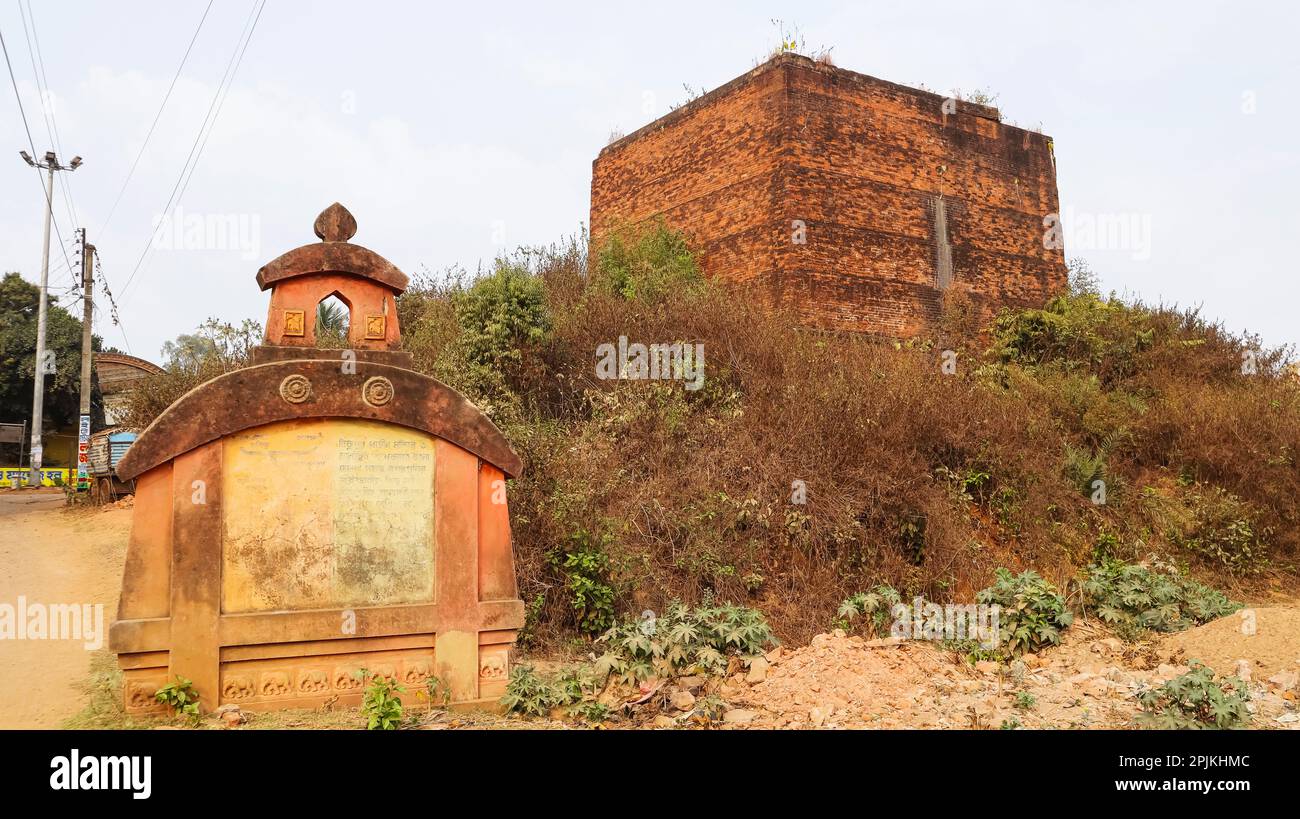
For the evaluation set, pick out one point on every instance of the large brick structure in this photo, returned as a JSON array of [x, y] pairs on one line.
[[856, 202]]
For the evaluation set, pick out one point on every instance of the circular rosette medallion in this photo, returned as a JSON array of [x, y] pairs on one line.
[[377, 391], [295, 388]]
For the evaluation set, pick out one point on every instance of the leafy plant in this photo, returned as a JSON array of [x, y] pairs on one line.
[[1132, 597], [647, 263], [585, 566], [1196, 699], [1224, 531], [1033, 613], [876, 606], [530, 694], [381, 706], [1084, 467], [500, 315], [180, 696], [1025, 701], [437, 690], [681, 640], [590, 711]]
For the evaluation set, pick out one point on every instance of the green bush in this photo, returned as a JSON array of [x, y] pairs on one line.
[[682, 640], [585, 566], [1223, 531], [646, 263], [1082, 468], [573, 687], [1033, 613], [1084, 329], [1132, 597], [876, 606], [502, 314], [1196, 700]]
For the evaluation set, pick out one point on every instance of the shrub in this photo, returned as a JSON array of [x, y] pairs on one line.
[[1132, 597], [682, 640], [585, 567], [527, 693], [1196, 700], [1082, 469], [1032, 613], [1088, 330], [571, 687], [647, 263], [1224, 531], [876, 606], [501, 315]]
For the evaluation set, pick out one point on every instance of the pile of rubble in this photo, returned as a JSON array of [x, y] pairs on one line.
[[1091, 681]]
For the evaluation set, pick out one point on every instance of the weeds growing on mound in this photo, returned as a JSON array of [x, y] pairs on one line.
[[1197, 699], [682, 641], [810, 465], [1132, 597]]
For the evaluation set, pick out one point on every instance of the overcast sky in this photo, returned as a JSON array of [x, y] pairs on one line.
[[455, 131]]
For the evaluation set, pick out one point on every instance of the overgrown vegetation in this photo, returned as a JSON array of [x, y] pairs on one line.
[[1132, 598], [875, 607], [813, 465], [1197, 699], [683, 640], [1033, 614]]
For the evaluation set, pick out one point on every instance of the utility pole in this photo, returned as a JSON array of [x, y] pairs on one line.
[[51, 163], [87, 313]]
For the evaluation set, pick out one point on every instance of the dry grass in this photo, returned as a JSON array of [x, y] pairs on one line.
[[915, 478]]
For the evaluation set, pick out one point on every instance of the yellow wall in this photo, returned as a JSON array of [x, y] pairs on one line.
[[327, 513]]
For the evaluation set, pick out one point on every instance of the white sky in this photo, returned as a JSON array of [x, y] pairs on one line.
[[444, 127]]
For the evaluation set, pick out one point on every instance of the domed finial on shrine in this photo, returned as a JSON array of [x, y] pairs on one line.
[[335, 224]]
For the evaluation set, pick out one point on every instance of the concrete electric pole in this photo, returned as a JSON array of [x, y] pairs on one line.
[[42, 366], [87, 314]]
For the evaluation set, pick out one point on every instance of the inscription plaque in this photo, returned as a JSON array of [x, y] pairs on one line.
[[327, 512]]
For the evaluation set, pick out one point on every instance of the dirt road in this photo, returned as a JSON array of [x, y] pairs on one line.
[[49, 555]]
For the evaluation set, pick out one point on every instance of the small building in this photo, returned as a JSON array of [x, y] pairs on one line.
[[855, 202], [118, 374]]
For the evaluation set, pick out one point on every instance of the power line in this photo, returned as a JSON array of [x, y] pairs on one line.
[[112, 304], [104, 227], [47, 192], [47, 113], [236, 57]]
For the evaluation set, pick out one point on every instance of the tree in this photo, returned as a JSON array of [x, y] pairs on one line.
[[216, 347], [19, 303], [331, 324]]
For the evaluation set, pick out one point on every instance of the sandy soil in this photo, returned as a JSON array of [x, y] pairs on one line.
[[51, 555], [1267, 637]]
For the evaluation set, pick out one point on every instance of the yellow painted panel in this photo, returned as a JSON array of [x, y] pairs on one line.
[[327, 513]]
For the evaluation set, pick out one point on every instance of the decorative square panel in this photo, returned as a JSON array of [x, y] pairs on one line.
[[375, 327], [295, 323]]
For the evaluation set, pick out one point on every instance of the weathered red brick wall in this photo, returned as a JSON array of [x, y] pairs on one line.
[[873, 176]]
